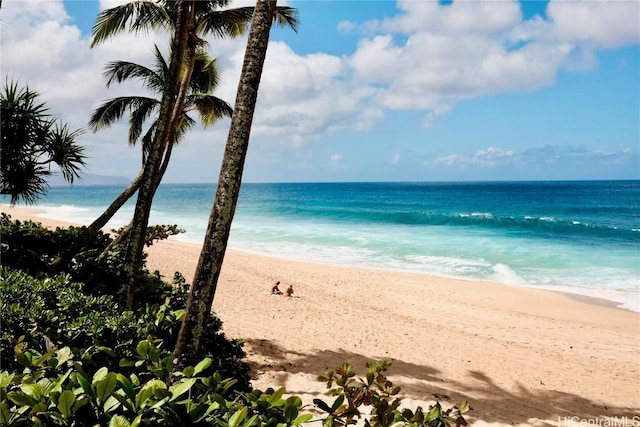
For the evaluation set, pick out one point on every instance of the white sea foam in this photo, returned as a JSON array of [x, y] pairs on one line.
[[504, 274]]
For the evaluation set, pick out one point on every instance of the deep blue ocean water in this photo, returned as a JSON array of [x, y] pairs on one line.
[[579, 237]]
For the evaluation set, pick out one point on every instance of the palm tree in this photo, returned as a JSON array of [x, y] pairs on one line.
[[187, 20], [204, 283], [205, 79], [33, 140]]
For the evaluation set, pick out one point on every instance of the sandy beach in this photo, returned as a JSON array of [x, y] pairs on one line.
[[520, 356]]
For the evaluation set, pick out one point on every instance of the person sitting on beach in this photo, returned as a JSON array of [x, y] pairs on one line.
[[290, 291], [275, 290]]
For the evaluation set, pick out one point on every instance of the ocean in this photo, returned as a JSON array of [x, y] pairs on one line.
[[578, 237]]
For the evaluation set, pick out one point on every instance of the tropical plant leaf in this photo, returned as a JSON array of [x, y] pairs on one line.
[[65, 403], [181, 387]]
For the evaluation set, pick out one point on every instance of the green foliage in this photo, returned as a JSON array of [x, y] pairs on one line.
[[55, 389], [33, 140], [36, 249], [38, 313], [376, 393], [96, 262]]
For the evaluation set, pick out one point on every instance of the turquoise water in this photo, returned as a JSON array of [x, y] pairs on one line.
[[579, 237]]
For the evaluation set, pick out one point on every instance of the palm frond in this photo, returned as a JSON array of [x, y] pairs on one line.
[[139, 115], [209, 107], [113, 109], [225, 23], [185, 124], [64, 151], [120, 71], [24, 180], [205, 77], [162, 68], [137, 16], [286, 16]]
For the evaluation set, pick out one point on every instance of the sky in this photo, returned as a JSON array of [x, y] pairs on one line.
[[408, 90]]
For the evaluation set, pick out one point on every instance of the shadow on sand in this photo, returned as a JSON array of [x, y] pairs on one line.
[[490, 402]]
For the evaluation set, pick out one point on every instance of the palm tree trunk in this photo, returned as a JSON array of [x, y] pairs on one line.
[[203, 288], [102, 220], [166, 126], [126, 230]]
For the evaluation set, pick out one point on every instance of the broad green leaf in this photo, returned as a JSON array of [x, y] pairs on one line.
[[303, 418], [6, 378], [64, 355], [106, 386], [40, 361], [126, 386], [5, 414], [143, 348], [188, 371], [463, 406], [136, 421], [204, 364], [36, 409], [65, 403], [58, 385], [33, 390], [100, 375], [238, 416], [151, 388], [277, 395], [160, 403], [251, 421], [85, 385], [296, 401], [134, 380], [182, 387], [21, 399], [290, 412], [111, 403], [119, 421]]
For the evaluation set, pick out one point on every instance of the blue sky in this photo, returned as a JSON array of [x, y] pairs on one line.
[[379, 90]]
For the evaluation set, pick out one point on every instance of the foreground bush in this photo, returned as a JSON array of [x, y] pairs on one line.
[[55, 389], [41, 313]]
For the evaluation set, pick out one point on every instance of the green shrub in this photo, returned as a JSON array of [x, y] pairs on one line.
[[376, 393], [54, 311], [33, 248], [55, 389]]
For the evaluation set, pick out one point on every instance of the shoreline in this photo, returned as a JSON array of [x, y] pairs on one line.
[[519, 355], [23, 213]]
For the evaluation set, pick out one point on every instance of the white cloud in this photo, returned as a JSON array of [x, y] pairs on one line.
[[426, 58], [490, 157], [598, 23], [497, 157], [345, 27], [460, 17]]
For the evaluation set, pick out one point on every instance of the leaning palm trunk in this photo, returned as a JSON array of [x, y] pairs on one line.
[[120, 201], [113, 208], [204, 284], [167, 125]]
